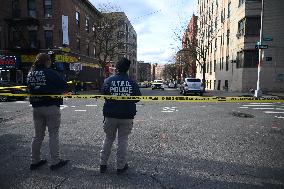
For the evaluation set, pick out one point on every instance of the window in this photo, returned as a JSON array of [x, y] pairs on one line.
[[241, 27], [32, 8], [252, 26], [214, 84], [121, 46], [215, 44], [47, 8], [227, 63], [222, 63], [48, 36], [16, 39], [78, 19], [229, 9], [239, 59], [87, 26], [226, 85], [228, 37], [241, 2], [16, 12], [214, 66], [250, 59], [210, 68], [33, 39], [247, 59], [88, 49], [78, 42], [0, 40]]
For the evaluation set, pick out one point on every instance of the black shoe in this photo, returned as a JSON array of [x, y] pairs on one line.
[[121, 171], [60, 164], [103, 168], [37, 165]]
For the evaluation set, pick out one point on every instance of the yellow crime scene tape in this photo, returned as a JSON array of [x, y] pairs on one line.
[[159, 98]]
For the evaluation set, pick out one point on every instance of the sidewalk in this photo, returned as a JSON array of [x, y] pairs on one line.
[[241, 94]]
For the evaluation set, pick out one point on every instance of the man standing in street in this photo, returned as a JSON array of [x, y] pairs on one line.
[[118, 115]]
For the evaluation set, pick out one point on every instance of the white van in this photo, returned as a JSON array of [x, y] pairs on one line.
[[191, 85]]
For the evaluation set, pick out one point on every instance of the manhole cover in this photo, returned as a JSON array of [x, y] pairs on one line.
[[242, 115]]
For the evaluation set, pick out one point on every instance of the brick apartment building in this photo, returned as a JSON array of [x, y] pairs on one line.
[[190, 39], [61, 28]]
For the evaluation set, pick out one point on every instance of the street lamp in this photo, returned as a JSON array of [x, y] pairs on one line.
[[258, 92]]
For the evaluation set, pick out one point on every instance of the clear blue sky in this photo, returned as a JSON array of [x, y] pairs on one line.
[[155, 22]]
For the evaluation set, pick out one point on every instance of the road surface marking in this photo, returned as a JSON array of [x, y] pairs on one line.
[[80, 110], [271, 112], [243, 107], [73, 106], [91, 105], [169, 109], [63, 106], [279, 117], [263, 108], [261, 103], [21, 102], [252, 105]]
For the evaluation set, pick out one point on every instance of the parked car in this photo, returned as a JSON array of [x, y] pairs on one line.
[[191, 85], [158, 84], [12, 88]]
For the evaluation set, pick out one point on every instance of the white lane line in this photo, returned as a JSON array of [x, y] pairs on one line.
[[80, 110], [252, 105], [63, 106], [91, 105], [243, 107], [21, 102], [271, 112], [73, 106], [279, 117], [261, 103], [279, 109], [263, 108], [168, 111]]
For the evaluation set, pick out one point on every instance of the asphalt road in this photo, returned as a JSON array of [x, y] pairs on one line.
[[173, 145]]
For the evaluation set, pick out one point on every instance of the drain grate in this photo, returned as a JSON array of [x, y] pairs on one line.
[[242, 115]]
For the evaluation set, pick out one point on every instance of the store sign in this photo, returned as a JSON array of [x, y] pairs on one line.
[[65, 30], [8, 62], [75, 66], [28, 58], [64, 58]]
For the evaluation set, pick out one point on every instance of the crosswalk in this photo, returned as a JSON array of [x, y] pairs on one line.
[[276, 109]]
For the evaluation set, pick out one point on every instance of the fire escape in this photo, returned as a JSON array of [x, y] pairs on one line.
[[19, 38]]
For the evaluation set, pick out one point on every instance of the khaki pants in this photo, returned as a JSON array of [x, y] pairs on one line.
[[50, 117], [111, 126]]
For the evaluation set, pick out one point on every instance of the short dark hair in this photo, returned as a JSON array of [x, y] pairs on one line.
[[123, 65]]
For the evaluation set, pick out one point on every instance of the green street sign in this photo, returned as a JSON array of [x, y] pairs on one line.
[[267, 39]]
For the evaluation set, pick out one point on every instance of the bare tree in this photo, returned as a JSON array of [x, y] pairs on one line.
[[200, 49], [107, 36], [170, 71]]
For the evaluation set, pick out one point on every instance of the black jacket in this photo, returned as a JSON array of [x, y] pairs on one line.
[[120, 85], [45, 81]]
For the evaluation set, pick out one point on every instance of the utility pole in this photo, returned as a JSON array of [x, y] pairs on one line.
[[258, 92]]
